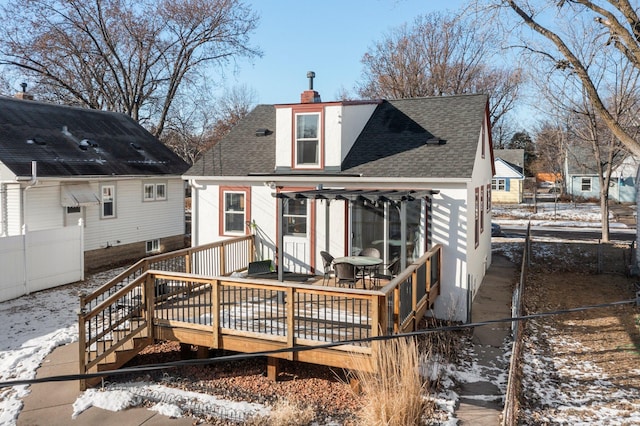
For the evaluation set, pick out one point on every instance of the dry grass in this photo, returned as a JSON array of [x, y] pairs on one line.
[[394, 392], [286, 413]]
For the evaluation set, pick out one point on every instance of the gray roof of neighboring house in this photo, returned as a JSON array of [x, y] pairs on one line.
[[392, 143], [96, 143], [511, 156]]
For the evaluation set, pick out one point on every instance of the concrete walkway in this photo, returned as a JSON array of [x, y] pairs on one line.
[[481, 402]]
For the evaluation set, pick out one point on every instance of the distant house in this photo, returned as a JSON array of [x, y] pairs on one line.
[[582, 176], [508, 183], [59, 164], [397, 175]]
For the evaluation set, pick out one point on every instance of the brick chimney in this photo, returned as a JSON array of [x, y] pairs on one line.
[[24, 95], [310, 96]]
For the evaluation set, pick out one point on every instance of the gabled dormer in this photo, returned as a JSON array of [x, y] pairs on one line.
[[315, 136]]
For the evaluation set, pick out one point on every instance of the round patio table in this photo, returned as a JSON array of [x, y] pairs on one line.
[[364, 264]]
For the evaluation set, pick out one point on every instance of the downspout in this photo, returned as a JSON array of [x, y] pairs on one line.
[[30, 184]]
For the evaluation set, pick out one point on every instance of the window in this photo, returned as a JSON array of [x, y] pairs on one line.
[[155, 191], [307, 145], [477, 218], [488, 197], [294, 218], [71, 210], [108, 201], [481, 208], [499, 184], [585, 184], [234, 212], [153, 246]]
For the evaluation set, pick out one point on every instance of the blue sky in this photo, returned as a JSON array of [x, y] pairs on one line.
[[328, 37]]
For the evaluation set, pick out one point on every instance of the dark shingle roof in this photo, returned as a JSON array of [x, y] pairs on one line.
[[114, 144], [392, 143], [241, 152]]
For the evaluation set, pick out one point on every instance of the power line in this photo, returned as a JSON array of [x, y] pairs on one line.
[[243, 356]]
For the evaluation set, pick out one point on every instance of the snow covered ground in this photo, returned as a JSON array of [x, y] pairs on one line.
[[32, 326]]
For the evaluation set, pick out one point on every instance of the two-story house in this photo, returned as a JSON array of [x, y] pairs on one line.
[[397, 175]]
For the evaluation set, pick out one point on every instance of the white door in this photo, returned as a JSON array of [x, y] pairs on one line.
[[297, 236]]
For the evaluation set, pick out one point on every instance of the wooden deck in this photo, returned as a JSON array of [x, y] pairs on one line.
[[248, 315]]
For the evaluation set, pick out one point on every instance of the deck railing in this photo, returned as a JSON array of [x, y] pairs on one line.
[[201, 306], [118, 312]]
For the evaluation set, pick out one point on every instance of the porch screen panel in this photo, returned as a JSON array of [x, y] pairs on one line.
[[367, 225]]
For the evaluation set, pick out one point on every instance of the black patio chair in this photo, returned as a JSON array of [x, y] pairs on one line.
[[327, 261], [345, 274], [392, 267]]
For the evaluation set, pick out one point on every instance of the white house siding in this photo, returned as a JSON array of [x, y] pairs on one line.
[[135, 219], [14, 209], [205, 214], [449, 224], [354, 118], [342, 125], [42, 206], [452, 225]]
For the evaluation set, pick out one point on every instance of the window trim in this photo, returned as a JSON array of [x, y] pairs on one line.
[[306, 217], [155, 246], [497, 185], [307, 109], [246, 191], [112, 201], [583, 181], [154, 191], [488, 197], [477, 217]]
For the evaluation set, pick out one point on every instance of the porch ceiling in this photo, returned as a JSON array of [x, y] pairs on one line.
[[347, 194]]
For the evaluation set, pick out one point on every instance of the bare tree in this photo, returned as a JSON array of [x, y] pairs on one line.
[[201, 122], [440, 54], [618, 29], [591, 61], [122, 55]]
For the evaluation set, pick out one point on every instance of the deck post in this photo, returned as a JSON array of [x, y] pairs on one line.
[[273, 368], [215, 313], [414, 298], [149, 284], [82, 343], [396, 309], [291, 324]]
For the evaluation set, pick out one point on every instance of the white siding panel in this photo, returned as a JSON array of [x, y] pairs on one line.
[[14, 209], [43, 207], [205, 214], [135, 219]]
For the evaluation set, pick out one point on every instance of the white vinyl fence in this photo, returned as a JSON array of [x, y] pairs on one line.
[[40, 260]]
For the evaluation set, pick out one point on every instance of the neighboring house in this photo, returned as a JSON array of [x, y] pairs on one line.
[[347, 175], [507, 185], [582, 176], [59, 164]]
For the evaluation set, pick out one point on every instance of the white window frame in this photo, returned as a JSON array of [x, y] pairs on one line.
[[586, 181], [498, 184], [108, 198], [152, 246], [150, 192], [226, 211], [288, 218], [302, 140]]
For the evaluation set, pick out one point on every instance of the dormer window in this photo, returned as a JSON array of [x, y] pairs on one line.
[[307, 146]]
